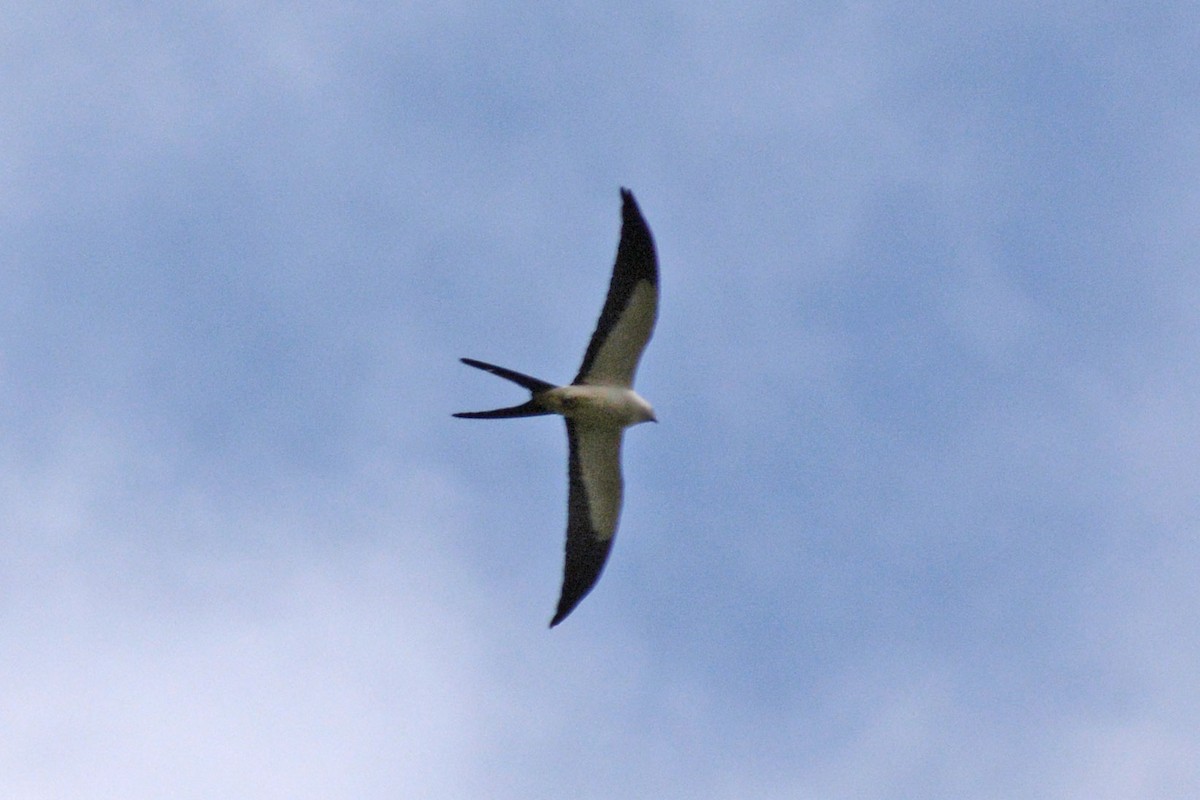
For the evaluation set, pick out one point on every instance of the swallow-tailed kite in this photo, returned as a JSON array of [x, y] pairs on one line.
[[598, 405]]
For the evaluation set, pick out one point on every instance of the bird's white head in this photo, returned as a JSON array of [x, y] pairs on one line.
[[645, 412]]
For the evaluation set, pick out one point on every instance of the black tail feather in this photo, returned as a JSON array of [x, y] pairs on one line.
[[532, 384], [531, 408]]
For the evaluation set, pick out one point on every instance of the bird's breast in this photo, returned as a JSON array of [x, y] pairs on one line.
[[610, 406]]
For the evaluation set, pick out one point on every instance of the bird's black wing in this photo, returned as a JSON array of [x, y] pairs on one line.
[[593, 508], [629, 312]]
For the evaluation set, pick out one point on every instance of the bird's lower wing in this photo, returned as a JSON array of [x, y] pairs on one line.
[[593, 508]]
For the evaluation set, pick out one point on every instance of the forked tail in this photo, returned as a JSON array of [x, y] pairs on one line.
[[531, 408]]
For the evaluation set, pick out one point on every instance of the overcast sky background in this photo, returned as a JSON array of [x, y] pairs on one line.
[[921, 515]]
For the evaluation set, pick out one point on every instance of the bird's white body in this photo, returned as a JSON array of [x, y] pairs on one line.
[[602, 406]]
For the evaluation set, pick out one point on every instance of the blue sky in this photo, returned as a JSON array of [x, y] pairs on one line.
[[921, 515]]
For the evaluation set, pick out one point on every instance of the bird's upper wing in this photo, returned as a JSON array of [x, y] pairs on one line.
[[627, 319], [593, 507]]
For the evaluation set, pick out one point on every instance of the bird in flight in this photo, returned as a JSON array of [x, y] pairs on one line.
[[598, 405]]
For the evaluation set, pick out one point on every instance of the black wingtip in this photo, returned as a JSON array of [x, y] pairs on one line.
[[636, 236], [585, 559], [571, 598], [565, 607]]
